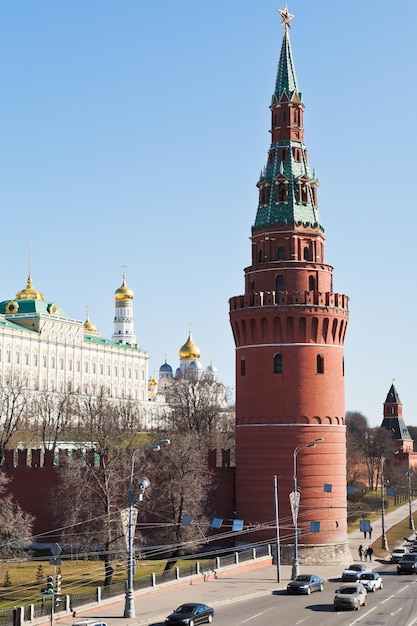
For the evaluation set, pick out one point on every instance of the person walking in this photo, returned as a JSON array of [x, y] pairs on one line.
[[365, 554], [360, 552], [370, 552], [370, 532]]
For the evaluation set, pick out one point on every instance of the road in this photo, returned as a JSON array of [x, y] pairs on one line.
[[394, 605]]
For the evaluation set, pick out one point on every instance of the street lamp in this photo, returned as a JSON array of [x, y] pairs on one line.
[[384, 542], [295, 499], [143, 483], [409, 472]]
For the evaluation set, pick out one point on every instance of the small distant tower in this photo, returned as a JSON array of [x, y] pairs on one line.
[[394, 422], [289, 329], [123, 331]]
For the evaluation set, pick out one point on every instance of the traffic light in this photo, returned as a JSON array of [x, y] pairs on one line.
[[49, 585], [58, 578]]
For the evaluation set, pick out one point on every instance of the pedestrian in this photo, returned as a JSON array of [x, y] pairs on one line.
[[364, 534], [370, 552], [360, 551], [365, 554], [370, 532]]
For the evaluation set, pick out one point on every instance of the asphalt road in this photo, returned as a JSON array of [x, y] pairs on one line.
[[394, 605]]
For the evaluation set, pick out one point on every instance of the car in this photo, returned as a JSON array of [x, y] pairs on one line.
[[407, 564], [89, 622], [305, 583], [354, 572], [190, 613], [397, 553], [371, 581], [350, 596]]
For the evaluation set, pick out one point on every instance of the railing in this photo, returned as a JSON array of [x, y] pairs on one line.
[[206, 568]]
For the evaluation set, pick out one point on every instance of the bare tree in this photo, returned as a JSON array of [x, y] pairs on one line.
[[178, 492], [51, 416], [15, 525], [93, 487], [196, 407], [13, 406]]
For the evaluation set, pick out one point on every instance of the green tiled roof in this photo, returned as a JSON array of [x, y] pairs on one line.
[[291, 212]]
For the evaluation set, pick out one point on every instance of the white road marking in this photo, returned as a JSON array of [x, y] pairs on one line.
[[362, 616], [397, 611], [386, 599], [256, 616]]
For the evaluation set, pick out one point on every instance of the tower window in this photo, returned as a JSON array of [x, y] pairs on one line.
[[281, 254], [320, 364], [279, 283], [242, 366], [306, 254], [278, 364], [260, 256], [311, 283], [284, 116]]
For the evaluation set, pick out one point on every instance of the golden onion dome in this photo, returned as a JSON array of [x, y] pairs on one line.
[[189, 350], [30, 293], [124, 293], [89, 326], [153, 382]]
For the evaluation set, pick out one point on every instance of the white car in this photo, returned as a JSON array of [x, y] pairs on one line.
[[354, 572], [397, 553], [371, 581]]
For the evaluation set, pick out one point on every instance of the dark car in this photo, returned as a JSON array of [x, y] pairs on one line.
[[407, 564], [354, 572], [305, 583], [191, 613]]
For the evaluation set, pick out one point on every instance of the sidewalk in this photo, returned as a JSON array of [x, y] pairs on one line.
[[257, 579]]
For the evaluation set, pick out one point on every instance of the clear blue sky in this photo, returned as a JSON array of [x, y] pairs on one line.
[[134, 133]]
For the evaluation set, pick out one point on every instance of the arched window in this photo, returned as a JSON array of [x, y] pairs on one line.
[[260, 255], [320, 364], [278, 364], [306, 253], [281, 254], [242, 366], [311, 283], [279, 283]]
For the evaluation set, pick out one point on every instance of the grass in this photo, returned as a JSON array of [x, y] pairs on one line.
[[19, 580]]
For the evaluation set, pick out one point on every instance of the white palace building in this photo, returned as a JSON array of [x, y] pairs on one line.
[[50, 352]]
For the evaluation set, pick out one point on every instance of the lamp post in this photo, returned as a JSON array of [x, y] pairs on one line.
[[294, 497], [277, 529], [384, 542], [143, 483], [409, 472]]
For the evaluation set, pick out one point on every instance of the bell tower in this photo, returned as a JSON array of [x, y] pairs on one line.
[[289, 329]]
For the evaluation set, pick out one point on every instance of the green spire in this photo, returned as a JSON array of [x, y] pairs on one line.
[[287, 188], [286, 79]]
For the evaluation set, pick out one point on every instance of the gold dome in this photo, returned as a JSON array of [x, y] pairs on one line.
[[189, 350], [89, 327], [123, 293], [30, 293], [153, 382]]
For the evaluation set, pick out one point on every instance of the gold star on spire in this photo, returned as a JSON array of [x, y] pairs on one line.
[[286, 17]]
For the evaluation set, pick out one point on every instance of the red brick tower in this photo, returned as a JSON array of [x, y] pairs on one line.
[[289, 330]]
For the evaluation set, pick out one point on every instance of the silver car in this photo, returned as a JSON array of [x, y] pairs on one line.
[[350, 596]]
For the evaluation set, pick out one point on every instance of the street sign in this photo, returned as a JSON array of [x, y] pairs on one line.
[[56, 549], [55, 562]]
